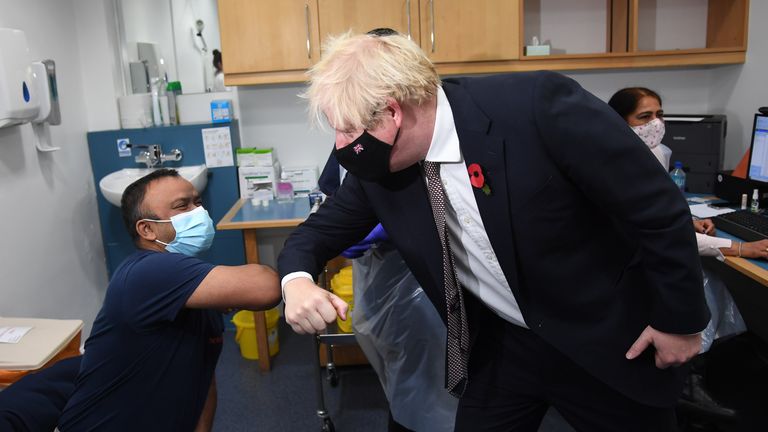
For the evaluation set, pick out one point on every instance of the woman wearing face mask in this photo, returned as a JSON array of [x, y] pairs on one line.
[[641, 109]]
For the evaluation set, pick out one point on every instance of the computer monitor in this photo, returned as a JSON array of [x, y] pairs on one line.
[[758, 155]]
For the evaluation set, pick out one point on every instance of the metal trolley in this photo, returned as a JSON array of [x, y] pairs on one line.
[[331, 338]]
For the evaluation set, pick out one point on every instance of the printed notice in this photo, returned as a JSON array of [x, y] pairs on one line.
[[12, 334], [217, 144]]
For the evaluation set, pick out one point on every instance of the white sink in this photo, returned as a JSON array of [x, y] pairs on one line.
[[113, 185]]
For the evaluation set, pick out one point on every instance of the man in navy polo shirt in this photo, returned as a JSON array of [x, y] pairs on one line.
[[149, 362]]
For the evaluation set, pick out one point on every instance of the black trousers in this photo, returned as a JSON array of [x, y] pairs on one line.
[[515, 376]]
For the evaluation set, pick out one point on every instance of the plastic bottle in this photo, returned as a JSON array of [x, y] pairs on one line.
[[165, 110], [678, 176], [284, 189], [157, 118], [755, 202], [173, 91]]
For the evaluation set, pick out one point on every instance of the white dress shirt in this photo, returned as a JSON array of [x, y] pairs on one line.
[[710, 246], [478, 268]]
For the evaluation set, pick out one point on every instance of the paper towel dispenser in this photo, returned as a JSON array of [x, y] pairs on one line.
[[45, 77], [19, 101]]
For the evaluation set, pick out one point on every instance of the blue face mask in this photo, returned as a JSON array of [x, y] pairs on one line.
[[194, 232]]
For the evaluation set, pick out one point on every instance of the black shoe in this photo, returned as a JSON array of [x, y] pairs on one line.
[[696, 398]]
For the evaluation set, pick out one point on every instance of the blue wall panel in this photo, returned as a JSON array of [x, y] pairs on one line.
[[219, 195]]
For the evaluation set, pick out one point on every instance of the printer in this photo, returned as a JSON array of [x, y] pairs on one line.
[[698, 141]]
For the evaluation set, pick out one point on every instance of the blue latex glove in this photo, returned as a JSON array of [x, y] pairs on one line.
[[377, 235]]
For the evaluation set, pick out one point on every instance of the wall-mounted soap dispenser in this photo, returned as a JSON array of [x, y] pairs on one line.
[[28, 91], [18, 95]]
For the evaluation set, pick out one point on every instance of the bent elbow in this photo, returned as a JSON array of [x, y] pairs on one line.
[[272, 292]]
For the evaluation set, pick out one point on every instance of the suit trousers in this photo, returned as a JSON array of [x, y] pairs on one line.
[[515, 376]]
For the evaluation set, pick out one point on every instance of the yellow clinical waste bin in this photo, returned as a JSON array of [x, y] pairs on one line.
[[341, 285], [246, 333]]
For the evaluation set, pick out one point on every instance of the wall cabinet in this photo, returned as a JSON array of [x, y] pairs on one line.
[[360, 16], [458, 31], [269, 41]]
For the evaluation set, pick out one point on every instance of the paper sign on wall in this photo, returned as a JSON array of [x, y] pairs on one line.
[[217, 144], [123, 147]]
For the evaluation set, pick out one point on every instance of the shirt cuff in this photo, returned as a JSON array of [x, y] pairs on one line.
[[710, 246], [291, 276]]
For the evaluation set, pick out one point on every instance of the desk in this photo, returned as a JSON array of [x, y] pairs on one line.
[[747, 281], [249, 218], [46, 343]]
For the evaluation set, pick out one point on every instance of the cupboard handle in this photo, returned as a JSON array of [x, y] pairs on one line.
[[306, 17], [432, 21], [408, 7]]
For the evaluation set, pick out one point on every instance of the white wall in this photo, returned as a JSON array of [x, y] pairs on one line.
[[100, 63], [275, 116], [51, 259], [683, 91]]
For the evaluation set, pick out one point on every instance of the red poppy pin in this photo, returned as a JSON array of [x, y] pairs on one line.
[[477, 178]]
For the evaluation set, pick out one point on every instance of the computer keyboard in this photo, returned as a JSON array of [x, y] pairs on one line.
[[744, 224]]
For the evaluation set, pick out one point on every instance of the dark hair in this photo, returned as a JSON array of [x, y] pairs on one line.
[[382, 31], [625, 101], [131, 204], [217, 62]]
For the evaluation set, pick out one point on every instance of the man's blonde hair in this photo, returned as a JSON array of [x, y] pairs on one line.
[[351, 83]]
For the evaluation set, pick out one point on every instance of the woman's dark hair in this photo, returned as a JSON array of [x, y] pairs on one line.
[[382, 31], [217, 64], [625, 101], [132, 203]]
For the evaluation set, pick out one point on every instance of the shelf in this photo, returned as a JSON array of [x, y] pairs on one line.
[[602, 61]]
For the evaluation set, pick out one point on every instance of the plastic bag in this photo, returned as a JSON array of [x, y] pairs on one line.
[[404, 339], [726, 319]]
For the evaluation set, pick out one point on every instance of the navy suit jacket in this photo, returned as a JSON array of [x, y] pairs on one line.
[[593, 237]]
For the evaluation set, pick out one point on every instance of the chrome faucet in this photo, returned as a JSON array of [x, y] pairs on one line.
[[154, 156], [173, 156]]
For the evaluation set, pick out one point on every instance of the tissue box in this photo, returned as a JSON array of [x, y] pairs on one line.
[[254, 179], [221, 111], [255, 157], [303, 179], [537, 50]]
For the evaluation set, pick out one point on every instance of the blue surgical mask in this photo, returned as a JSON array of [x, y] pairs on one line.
[[194, 232]]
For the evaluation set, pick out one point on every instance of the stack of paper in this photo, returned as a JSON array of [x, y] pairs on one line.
[[707, 211]]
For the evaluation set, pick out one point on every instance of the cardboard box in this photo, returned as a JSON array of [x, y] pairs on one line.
[[537, 50], [256, 157], [303, 179], [253, 179]]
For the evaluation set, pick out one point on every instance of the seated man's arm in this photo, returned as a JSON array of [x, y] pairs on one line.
[[250, 286]]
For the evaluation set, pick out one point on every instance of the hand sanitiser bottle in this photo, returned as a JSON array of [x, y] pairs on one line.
[[755, 202], [678, 176], [284, 189]]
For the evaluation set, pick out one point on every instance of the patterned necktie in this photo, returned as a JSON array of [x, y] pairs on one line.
[[458, 334]]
